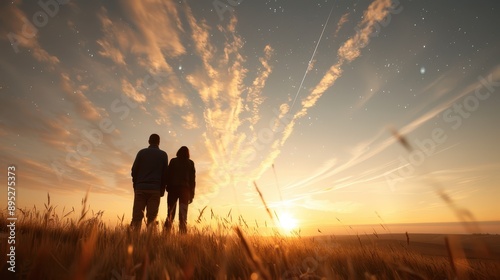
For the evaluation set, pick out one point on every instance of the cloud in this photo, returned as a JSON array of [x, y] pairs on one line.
[[189, 121], [111, 35], [350, 50], [231, 111], [377, 144], [131, 91], [230, 108], [154, 34], [343, 20], [76, 94], [317, 176], [58, 137], [470, 89], [254, 97], [20, 32], [52, 129], [329, 206], [51, 135], [373, 15], [152, 37]]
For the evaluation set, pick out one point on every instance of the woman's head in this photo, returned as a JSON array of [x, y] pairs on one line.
[[183, 152]]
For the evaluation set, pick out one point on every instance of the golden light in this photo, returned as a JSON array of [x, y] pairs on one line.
[[287, 221]]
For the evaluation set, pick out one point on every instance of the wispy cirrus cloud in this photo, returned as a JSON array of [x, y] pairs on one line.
[[76, 94], [369, 149], [366, 150], [154, 35], [231, 112], [231, 109], [254, 97], [343, 20], [325, 205], [494, 75], [49, 128], [350, 50], [16, 27], [151, 42], [132, 92]]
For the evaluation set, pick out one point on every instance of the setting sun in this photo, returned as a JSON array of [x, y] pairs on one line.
[[287, 221]]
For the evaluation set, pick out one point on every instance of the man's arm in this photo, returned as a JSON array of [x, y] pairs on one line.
[[135, 167], [164, 173]]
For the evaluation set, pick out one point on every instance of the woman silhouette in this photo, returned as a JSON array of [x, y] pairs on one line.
[[180, 187]]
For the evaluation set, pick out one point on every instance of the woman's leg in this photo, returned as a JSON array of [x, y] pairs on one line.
[[171, 207], [183, 210]]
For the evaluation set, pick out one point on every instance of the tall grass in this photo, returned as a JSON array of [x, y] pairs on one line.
[[457, 259], [49, 245]]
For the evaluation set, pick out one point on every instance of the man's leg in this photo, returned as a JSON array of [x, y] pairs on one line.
[[152, 205], [138, 209]]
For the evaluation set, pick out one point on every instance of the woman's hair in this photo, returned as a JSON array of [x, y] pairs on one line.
[[183, 152]]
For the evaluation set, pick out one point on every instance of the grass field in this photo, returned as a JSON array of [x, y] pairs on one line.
[[50, 246]]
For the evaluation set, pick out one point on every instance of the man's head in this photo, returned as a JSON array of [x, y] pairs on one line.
[[154, 139]]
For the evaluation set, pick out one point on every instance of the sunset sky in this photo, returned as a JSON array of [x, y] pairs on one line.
[[302, 97]]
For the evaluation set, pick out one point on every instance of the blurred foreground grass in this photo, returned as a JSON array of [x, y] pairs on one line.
[[52, 246]]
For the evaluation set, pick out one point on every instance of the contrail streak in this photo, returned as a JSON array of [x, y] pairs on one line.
[[310, 61]]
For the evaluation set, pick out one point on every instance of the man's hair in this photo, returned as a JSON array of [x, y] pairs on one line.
[[154, 139], [183, 152]]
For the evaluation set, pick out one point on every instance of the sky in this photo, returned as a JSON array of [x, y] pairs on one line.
[[340, 113]]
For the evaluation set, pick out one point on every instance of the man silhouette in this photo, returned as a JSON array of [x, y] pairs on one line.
[[149, 177]]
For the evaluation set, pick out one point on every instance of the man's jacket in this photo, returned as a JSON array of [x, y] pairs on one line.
[[149, 171]]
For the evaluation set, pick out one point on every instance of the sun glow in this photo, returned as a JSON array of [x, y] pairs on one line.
[[287, 221]]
